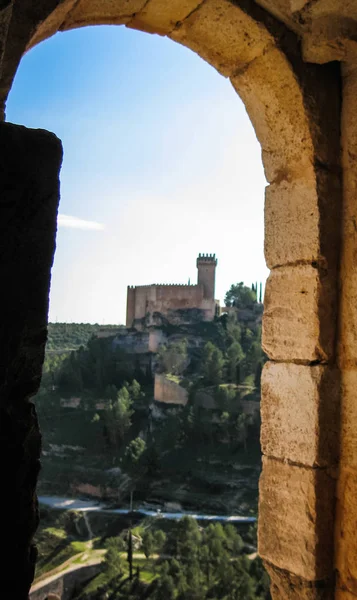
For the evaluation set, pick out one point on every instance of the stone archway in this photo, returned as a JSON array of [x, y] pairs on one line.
[[299, 134]]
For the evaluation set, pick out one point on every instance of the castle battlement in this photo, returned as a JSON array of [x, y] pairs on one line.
[[167, 285], [206, 259], [164, 298]]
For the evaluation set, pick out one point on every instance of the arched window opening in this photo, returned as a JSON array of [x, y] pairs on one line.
[[160, 162]]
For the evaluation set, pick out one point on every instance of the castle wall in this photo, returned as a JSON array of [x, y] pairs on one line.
[[141, 298], [145, 299], [130, 306], [156, 339], [174, 297], [209, 308], [206, 276]]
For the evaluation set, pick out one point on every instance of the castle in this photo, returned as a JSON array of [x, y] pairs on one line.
[[176, 302]]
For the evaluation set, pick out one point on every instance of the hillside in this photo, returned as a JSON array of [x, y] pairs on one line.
[[105, 435], [70, 336]]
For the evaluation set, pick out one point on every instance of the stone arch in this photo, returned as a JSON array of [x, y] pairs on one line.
[[299, 135]]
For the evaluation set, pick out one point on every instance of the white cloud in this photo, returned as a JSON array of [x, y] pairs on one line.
[[75, 223]]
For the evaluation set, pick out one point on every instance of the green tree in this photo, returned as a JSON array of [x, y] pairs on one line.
[[212, 364], [241, 426], [135, 390], [118, 417], [232, 328], [253, 356], [258, 375], [134, 450], [148, 543], [234, 542], [240, 296], [165, 589], [159, 540], [113, 562], [173, 358], [187, 538], [235, 356]]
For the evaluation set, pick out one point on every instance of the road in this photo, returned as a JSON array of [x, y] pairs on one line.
[[91, 505]]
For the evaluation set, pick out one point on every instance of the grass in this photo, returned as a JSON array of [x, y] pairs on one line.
[[55, 532], [54, 560], [79, 546], [174, 378]]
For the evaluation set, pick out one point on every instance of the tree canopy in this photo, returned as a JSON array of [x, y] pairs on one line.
[[240, 296]]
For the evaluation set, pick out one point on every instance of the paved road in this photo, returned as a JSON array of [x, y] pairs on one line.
[[92, 505]]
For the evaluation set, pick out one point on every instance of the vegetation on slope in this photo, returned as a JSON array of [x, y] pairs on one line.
[[155, 558], [113, 437]]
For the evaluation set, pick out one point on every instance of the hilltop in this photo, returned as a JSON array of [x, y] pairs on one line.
[[109, 431]]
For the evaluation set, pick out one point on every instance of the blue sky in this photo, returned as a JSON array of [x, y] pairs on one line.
[[160, 163]]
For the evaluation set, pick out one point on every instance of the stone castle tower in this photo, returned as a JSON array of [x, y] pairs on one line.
[[206, 276], [144, 301]]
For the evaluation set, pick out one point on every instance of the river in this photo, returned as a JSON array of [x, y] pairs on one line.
[[58, 502]]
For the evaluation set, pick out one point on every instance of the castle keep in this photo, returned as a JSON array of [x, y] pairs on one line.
[[176, 302]]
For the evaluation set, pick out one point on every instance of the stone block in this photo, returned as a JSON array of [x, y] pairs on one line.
[[286, 586], [299, 315], [97, 12], [300, 413], [343, 594], [160, 16], [224, 35], [346, 528], [291, 222], [296, 509], [274, 101], [301, 223]]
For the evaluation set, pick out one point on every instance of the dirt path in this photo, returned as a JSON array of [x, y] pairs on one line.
[[82, 559]]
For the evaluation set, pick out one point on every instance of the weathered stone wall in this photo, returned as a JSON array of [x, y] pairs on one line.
[[29, 192], [130, 305], [146, 300], [165, 299], [206, 275], [156, 339], [169, 392], [346, 521]]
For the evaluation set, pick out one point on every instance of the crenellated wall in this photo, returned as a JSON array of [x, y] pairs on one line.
[[146, 300], [165, 299]]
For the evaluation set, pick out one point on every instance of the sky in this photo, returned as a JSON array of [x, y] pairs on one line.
[[160, 163]]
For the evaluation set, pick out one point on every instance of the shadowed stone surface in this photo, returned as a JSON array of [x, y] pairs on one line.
[[29, 192], [296, 518], [285, 586], [346, 530]]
